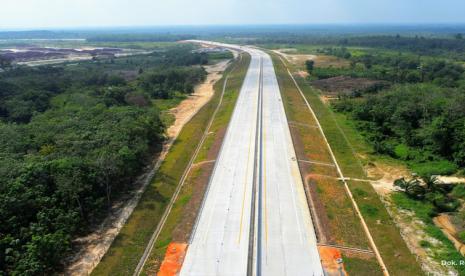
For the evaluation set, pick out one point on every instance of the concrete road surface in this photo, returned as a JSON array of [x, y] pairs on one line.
[[254, 219]]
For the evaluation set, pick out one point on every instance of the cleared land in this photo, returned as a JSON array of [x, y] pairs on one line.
[[202, 94], [346, 85]]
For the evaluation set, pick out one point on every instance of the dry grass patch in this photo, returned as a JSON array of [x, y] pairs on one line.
[[344, 225], [323, 61]]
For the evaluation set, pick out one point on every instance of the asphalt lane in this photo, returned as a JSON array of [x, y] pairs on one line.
[[257, 144]]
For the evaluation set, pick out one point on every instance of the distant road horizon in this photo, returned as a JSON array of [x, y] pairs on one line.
[[255, 219]]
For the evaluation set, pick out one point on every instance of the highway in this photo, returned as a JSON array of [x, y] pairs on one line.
[[254, 219]]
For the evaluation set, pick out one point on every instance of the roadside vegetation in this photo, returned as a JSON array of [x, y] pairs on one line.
[[421, 124], [398, 102], [181, 220], [72, 141], [396, 255], [128, 247]]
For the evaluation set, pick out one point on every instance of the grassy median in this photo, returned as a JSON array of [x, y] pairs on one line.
[[125, 252]]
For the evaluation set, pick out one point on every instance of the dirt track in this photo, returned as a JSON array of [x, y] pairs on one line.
[[202, 94]]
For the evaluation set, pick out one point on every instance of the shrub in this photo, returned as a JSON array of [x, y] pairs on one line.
[[461, 236], [425, 244], [442, 167], [459, 191], [401, 151]]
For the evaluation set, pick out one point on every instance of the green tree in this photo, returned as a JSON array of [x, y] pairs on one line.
[[309, 64]]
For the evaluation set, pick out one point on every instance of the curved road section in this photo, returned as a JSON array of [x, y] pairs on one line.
[[255, 219]]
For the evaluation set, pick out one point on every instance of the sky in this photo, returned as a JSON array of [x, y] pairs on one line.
[[33, 14]]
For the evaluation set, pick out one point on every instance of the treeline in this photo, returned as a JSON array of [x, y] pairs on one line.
[[423, 124], [164, 83], [419, 45], [139, 37], [451, 45], [25, 91], [400, 68], [72, 139], [39, 34]]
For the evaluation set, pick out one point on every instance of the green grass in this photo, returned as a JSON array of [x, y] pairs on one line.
[[129, 245], [459, 191], [397, 257], [346, 143], [442, 167], [361, 267]]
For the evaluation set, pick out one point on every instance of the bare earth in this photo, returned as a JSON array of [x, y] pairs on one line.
[[385, 176], [322, 61], [449, 229], [296, 59], [202, 94], [93, 247], [411, 228]]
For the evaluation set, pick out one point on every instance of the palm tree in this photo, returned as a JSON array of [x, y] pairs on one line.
[[413, 187]]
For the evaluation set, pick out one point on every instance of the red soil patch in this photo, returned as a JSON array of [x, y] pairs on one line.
[[331, 259], [174, 258]]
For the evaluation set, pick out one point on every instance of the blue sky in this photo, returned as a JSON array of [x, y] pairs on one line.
[[102, 13]]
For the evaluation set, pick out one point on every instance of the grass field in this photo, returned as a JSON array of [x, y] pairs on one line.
[[128, 247], [341, 136]]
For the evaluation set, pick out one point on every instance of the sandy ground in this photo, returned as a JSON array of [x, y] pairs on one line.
[[320, 60], [294, 58], [451, 179], [94, 246], [384, 176], [411, 228], [202, 94], [448, 228]]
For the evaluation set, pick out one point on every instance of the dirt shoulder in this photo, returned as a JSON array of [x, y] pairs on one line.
[[202, 94], [91, 248]]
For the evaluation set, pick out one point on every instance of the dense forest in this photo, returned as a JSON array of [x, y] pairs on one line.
[[72, 139], [423, 124], [398, 68], [420, 118]]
